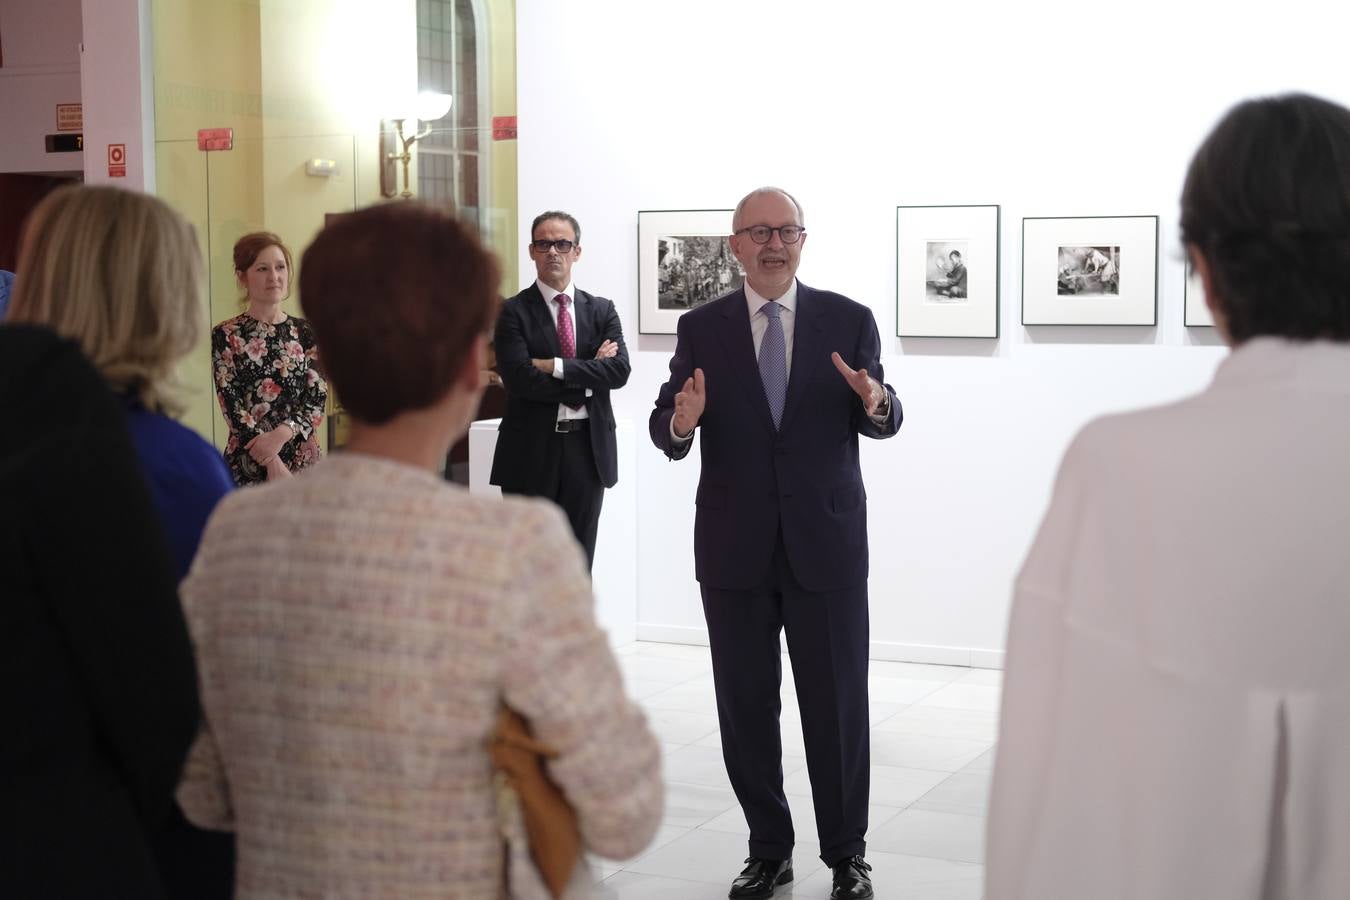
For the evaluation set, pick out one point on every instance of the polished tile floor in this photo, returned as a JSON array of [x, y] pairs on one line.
[[933, 731]]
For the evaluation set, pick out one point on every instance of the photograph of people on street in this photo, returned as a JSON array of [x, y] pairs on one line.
[[693, 269]]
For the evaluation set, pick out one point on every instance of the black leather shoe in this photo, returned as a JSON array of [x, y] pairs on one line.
[[851, 881], [761, 877]]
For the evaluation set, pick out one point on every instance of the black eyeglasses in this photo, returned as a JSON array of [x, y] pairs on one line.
[[542, 246], [760, 234]]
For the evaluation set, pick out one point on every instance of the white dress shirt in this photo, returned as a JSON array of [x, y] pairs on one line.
[[564, 411]]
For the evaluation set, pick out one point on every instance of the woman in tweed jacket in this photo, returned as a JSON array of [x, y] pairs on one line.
[[357, 627]]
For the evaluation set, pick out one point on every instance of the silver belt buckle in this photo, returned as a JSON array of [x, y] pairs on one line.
[[562, 426]]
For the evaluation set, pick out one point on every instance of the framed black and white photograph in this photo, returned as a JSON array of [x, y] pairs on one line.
[[1090, 270], [1197, 310], [684, 261], [946, 271]]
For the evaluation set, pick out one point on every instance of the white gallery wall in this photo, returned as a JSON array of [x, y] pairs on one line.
[[1049, 109], [40, 46]]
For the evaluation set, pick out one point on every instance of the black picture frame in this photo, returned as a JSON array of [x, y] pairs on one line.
[[1043, 300], [659, 301], [920, 312]]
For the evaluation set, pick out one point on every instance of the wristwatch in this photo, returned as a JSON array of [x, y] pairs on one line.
[[884, 407]]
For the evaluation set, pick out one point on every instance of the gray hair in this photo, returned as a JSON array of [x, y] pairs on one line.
[[759, 192]]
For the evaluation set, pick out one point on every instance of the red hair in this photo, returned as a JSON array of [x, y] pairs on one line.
[[393, 345]]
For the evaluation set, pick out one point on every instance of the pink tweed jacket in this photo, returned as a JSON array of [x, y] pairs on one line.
[[356, 628]]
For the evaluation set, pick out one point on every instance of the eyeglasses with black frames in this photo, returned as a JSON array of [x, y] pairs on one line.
[[542, 246], [761, 234]]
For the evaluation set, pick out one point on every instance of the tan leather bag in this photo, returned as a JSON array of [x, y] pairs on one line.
[[550, 821]]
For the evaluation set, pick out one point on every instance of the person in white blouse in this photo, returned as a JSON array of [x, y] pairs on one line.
[[1176, 703]]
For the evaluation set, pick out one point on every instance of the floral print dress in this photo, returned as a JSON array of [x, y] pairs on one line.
[[267, 375]]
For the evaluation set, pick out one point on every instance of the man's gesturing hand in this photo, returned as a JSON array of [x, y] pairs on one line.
[[689, 405], [868, 389]]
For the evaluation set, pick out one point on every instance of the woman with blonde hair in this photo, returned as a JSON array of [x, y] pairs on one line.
[[270, 390], [118, 274]]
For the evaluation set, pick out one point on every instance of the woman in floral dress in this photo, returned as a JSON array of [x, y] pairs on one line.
[[267, 378]]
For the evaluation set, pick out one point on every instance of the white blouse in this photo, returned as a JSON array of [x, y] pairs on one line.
[[1176, 704]]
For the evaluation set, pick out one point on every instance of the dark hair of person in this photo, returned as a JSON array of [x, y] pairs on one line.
[[1267, 203], [562, 217], [955, 253], [397, 293]]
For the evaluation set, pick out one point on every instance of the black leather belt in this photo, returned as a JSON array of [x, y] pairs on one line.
[[563, 426]]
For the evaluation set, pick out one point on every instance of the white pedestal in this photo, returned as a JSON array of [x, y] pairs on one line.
[[614, 578]]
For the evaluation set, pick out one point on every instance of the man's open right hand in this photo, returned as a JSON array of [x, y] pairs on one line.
[[689, 404]]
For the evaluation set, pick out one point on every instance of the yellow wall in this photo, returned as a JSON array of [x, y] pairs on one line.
[[296, 80], [202, 84], [502, 226]]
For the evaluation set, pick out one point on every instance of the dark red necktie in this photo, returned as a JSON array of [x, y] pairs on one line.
[[567, 336]]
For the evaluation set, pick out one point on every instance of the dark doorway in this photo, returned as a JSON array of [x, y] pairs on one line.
[[18, 195]]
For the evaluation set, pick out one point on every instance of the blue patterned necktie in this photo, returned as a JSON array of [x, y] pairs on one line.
[[773, 360]]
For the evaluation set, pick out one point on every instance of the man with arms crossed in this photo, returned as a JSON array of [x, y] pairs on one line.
[[780, 379], [560, 351]]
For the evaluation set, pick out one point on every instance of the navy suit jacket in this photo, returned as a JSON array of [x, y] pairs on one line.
[[525, 331], [803, 478]]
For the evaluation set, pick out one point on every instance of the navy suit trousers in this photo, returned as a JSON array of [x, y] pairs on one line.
[[827, 637]]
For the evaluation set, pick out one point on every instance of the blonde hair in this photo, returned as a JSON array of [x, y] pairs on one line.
[[120, 274]]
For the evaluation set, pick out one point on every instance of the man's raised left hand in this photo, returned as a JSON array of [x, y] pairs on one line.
[[868, 389]]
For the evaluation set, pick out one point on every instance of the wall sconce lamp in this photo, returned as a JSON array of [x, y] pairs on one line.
[[396, 147]]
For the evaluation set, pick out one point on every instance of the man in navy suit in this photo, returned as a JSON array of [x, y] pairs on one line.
[[779, 379], [560, 351]]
